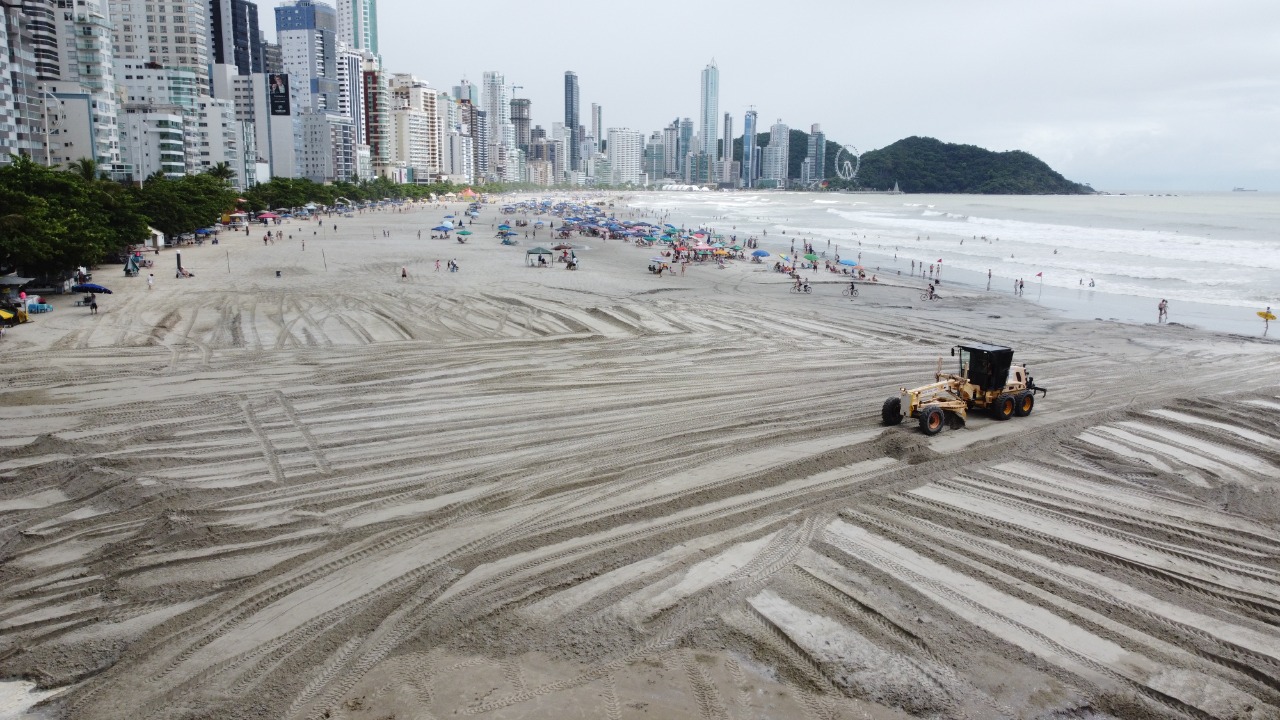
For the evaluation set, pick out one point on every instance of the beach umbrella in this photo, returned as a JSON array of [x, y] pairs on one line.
[[811, 257], [90, 288], [561, 246], [448, 217], [442, 228], [760, 253], [464, 232], [658, 259], [849, 262]]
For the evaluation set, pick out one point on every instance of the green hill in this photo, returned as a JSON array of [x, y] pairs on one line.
[[926, 165]]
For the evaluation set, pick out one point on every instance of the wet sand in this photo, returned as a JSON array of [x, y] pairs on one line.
[[514, 492]]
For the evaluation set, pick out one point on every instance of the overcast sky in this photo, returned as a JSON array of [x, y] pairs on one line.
[[1122, 94]]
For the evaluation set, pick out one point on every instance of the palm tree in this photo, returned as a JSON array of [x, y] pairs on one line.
[[86, 168], [222, 171]]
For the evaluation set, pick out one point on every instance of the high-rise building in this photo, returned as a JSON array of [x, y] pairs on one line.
[[726, 152], [20, 106], [626, 153], [467, 91], [670, 150], [655, 156], [685, 147], [776, 156], [571, 120], [376, 115], [272, 58], [234, 38], [358, 24], [750, 151], [306, 31], [178, 38], [597, 127], [709, 116], [496, 102], [815, 162], [75, 70], [413, 137], [521, 117]]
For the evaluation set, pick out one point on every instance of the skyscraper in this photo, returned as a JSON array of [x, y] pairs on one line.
[[358, 24], [709, 116], [777, 155], [750, 162], [234, 38], [726, 152], [306, 31], [571, 120], [597, 126], [814, 167], [626, 152], [496, 101], [685, 146], [180, 41], [521, 117]]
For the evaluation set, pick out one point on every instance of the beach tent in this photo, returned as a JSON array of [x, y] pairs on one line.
[[530, 255], [469, 193]]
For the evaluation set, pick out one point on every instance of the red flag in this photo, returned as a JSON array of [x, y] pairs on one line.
[[1039, 274], [939, 259]]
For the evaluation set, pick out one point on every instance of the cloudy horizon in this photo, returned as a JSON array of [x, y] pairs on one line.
[[1159, 96]]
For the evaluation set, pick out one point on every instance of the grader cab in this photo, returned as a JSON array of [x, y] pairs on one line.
[[987, 379]]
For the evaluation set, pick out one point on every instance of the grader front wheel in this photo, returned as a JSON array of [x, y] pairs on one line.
[[891, 411], [931, 420]]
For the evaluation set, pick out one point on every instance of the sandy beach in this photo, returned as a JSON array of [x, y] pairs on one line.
[[514, 492]]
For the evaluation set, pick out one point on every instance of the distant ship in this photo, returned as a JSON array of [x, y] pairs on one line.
[[1244, 190]]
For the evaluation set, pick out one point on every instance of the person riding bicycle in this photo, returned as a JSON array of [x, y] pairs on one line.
[[929, 292]]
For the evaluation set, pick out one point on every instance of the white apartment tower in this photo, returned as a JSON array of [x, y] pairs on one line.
[[709, 115], [358, 24], [414, 139], [172, 35], [776, 156], [625, 151]]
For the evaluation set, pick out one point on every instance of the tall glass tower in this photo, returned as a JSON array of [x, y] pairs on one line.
[[709, 117], [571, 119], [749, 159]]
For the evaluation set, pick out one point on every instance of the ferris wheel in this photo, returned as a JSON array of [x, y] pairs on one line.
[[848, 162]]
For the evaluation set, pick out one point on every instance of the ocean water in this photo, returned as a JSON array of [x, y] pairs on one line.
[[1214, 256]]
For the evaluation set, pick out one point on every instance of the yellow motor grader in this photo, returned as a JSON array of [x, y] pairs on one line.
[[988, 380]]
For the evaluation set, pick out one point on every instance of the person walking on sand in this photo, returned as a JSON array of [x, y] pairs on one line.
[[93, 306], [437, 264], [404, 273], [1162, 311], [151, 280]]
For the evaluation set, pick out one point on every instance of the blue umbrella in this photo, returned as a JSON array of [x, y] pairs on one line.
[[760, 253], [848, 262], [90, 288], [441, 228]]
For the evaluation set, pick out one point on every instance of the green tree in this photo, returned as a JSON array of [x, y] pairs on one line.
[[182, 205], [222, 171], [56, 220]]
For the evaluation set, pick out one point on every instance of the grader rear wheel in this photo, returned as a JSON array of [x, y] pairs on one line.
[[1026, 402]]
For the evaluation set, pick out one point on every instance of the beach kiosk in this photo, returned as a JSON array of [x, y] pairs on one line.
[[538, 257]]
